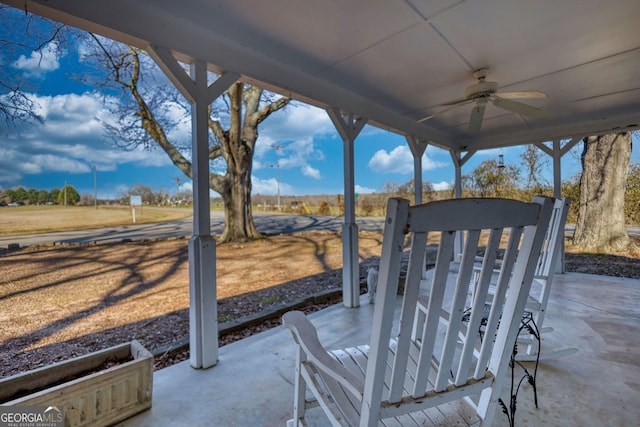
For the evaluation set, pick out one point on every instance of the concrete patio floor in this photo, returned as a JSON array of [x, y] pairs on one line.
[[599, 385]]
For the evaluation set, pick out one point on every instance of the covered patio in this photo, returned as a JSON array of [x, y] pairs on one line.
[[597, 386], [439, 73], [432, 72]]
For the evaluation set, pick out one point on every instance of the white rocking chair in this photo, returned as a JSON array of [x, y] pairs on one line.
[[399, 380], [548, 262]]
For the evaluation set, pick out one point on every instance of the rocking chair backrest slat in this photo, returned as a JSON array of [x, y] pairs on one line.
[[482, 289], [436, 298], [414, 370], [555, 234], [504, 276], [456, 312], [390, 258], [412, 288]]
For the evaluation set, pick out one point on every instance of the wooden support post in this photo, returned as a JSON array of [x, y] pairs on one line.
[[417, 148], [203, 310], [349, 127], [557, 151], [458, 162]]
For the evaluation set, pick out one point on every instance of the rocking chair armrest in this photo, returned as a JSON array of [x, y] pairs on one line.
[[307, 338]]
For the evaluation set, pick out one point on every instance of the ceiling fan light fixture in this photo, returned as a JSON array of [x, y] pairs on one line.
[[483, 88], [486, 91]]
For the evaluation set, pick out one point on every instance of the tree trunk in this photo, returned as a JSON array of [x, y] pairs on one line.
[[239, 225], [239, 143], [605, 165]]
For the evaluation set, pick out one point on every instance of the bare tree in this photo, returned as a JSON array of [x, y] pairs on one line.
[[32, 34], [632, 196], [157, 112], [533, 162], [605, 166], [491, 179]]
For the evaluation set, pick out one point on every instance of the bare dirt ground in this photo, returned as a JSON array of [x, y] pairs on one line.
[[63, 302], [59, 303]]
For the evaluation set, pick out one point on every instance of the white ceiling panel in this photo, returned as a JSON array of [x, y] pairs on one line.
[[395, 62]]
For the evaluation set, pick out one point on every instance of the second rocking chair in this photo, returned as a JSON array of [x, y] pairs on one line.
[[401, 379]]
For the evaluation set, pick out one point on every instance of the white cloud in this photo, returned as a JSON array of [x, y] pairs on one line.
[[310, 172], [364, 190], [297, 121], [293, 130], [269, 186], [180, 120], [443, 185], [71, 139], [399, 160], [429, 164], [60, 164], [186, 186], [40, 62]]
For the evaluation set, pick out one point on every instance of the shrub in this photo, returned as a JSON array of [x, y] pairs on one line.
[[324, 209]]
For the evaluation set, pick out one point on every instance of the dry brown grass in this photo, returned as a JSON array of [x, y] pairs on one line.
[[46, 219], [60, 294]]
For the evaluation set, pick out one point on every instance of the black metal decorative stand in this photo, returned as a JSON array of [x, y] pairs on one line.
[[529, 325]]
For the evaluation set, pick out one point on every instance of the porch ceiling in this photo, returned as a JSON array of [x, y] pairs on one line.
[[396, 61]]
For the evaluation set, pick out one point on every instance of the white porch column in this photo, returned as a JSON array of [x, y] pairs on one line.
[[349, 127], [557, 170], [203, 309], [458, 162], [417, 148], [556, 152]]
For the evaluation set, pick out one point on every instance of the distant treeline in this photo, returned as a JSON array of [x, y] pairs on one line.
[[32, 196], [489, 179]]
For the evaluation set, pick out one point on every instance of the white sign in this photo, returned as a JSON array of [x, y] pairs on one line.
[[136, 201]]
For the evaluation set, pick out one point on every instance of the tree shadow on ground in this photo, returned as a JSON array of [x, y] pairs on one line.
[[167, 335], [132, 284]]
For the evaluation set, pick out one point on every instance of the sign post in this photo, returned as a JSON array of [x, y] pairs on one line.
[[135, 200]]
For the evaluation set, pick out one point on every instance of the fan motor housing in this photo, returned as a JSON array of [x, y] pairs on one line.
[[480, 89]]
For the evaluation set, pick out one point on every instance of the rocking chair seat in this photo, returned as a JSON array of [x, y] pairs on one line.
[[430, 409]]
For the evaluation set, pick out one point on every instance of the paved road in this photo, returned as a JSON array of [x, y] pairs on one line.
[[266, 223]]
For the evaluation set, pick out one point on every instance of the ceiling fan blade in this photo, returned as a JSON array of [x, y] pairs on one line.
[[475, 121], [520, 108], [450, 107], [527, 94], [457, 102]]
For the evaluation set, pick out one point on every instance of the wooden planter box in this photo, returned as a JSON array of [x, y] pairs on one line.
[[97, 389]]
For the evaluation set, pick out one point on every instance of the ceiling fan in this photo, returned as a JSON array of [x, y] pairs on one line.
[[485, 91]]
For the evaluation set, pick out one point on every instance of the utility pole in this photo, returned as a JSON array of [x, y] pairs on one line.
[[278, 166], [178, 180], [65, 194], [278, 147], [95, 187]]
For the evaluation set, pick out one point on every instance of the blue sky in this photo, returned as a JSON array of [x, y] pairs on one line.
[[72, 141]]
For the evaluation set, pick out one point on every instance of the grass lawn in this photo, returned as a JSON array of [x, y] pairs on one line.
[[46, 219]]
